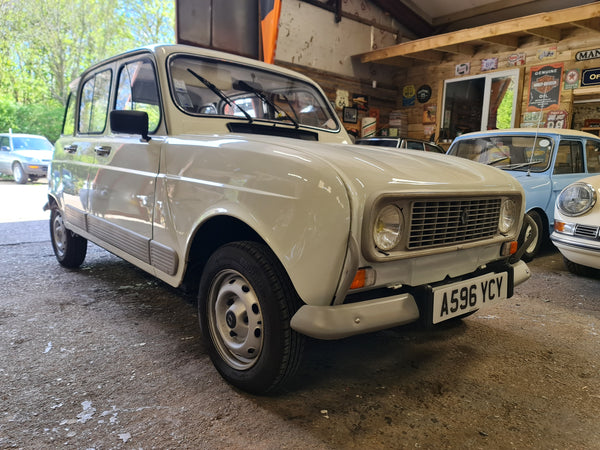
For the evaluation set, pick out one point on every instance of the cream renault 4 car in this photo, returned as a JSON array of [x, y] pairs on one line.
[[236, 178]]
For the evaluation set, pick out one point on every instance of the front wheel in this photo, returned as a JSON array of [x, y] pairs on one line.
[[69, 248], [19, 174], [537, 230], [245, 304]]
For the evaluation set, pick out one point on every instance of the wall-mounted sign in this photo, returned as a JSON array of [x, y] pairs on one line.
[[572, 79], [547, 53], [557, 119], [517, 59], [424, 93], [585, 55], [544, 87], [590, 77], [408, 95], [489, 64], [462, 69], [342, 99]]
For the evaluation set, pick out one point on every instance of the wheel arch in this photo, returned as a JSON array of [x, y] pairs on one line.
[[210, 235]]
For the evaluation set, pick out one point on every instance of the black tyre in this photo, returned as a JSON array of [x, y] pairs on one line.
[[70, 249], [19, 174], [245, 304], [579, 269], [534, 247]]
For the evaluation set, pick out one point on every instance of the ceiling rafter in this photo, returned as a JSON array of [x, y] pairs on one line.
[[506, 33]]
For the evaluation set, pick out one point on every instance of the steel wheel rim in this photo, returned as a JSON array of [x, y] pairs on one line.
[[60, 235], [235, 320]]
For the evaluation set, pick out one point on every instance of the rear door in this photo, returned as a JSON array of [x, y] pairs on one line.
[[74, 155]]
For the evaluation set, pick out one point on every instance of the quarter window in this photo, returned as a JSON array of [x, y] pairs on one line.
[[592, 153], [138, 91], [93, 109]]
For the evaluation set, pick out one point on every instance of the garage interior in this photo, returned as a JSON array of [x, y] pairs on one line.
[[109, 357]]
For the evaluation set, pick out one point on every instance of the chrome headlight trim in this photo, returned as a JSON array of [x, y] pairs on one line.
[[508, 216], [576, 199], [388, 227]]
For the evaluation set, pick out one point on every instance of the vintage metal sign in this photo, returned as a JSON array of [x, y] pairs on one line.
[[544, 87], [590, 77], [585, 55]]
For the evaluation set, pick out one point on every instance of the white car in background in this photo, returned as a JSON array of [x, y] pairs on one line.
[[577, 225], [24, 156]]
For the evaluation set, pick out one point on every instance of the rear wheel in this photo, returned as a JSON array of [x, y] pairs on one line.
[[69, 248], [19, 174], [245, 305]]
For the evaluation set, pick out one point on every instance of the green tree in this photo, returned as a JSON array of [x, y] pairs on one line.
[[44, 44]]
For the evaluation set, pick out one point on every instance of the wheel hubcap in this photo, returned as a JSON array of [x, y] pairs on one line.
[[60, 236], [235, 320]]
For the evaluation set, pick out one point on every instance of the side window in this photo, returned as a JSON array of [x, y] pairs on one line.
[[414, 145], [69, 119], [138, 91], [4, 142], [592, 153], [569, 158], [93, 109]]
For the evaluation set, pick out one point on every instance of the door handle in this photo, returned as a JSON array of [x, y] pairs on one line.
[[102, 150], [70, 148]]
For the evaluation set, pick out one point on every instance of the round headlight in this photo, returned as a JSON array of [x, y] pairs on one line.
[[508, 216], [576, 199], [387, 228]]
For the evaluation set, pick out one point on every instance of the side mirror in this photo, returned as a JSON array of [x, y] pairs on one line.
[[130, 122], [5, 148]]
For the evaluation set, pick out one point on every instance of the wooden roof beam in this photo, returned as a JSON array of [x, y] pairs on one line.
[[549, 33], [510, 42], [589, 24], [433, 56], [459, 49], [503, 29]]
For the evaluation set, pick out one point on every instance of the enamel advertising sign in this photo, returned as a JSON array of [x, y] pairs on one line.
[[544, 87]]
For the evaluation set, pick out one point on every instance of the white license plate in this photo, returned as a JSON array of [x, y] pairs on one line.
[[456, 299]]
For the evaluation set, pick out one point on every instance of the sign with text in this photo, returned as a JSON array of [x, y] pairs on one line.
[[544, 87], [590, 77]]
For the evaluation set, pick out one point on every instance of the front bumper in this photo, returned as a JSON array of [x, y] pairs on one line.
[[36, 170], [585, 252], [340, 321]]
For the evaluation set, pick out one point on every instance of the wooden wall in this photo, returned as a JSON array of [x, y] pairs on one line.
[[537, 53]]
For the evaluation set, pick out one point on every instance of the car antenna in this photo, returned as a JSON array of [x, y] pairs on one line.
[[537, 130]]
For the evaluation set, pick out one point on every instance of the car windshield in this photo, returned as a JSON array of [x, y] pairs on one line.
[[31, 143], [528, 153], [215, 88]]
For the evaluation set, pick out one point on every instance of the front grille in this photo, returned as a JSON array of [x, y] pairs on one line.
[[436, 223], [586, 231]]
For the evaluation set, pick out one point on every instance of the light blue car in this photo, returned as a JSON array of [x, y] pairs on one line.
[[543, 160]]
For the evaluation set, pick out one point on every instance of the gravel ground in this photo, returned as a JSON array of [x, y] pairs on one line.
[[107, 357]]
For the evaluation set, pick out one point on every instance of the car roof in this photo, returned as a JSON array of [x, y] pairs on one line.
[[23, 135], [164, 50], [529, 131]]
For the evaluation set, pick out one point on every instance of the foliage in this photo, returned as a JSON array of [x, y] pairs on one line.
[[44, 44]]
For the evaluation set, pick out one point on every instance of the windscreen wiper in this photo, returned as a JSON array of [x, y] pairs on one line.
[[220, 94], [247, 87]]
